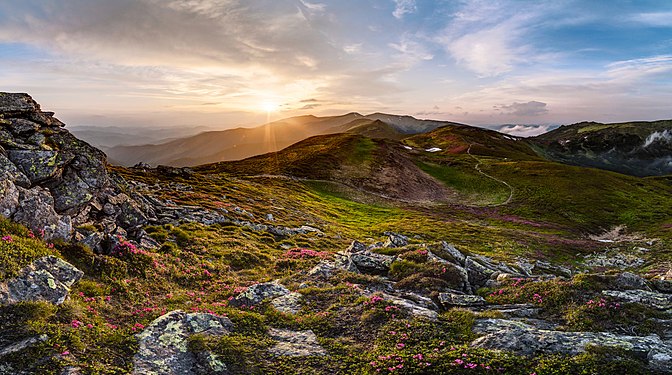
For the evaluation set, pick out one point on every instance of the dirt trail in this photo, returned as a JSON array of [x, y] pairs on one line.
[[478, 168]]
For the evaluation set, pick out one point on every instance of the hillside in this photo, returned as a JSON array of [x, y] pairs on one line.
[[234, 144], [455, 251], [634, 148]]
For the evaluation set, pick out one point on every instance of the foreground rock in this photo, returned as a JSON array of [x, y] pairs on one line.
[[527, 340], [656, 300], [295, 343], [259, 293], [449, 300], [46, 279], [53, 182], [163, 345]]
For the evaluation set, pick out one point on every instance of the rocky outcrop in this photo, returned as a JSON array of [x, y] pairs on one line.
[[289, 303], [163, 346], [53, 182], [524, 339], [259, 293], [295, 343], [656, 300], [46, 279], [449, 300]]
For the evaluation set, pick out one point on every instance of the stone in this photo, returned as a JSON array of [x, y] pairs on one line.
[[479, 274], [162, 345], [629, 281], [456, 269], [395, 240], [21, 345], [259, 293], [9, 198], [663, 286], [46, 279], [71, 193], [8, 171], [17, 103], [524, 339], [416, 305], [19, 126], [37, 165], [289, 303], [449, 300], [656, 300], [451, 254], [324, 270], [36, 211], [295, 343], [356, 247], [373, 263]]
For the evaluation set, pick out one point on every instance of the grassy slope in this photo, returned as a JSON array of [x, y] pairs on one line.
[[198, 268]]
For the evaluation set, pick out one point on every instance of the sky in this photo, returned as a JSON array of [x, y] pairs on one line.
[[225, 63]]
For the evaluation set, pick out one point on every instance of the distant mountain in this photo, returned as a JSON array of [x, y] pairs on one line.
[[240, 143], [636, 148], [111, 136]]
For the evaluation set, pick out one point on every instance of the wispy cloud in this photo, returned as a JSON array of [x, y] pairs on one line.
[[531, 108], [403, 7]]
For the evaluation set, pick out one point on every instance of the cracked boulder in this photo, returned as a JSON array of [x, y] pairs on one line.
[[163, 345], [295, 343], [259, 293], [46, 279]]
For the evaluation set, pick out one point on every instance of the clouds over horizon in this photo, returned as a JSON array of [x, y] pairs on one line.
[[497, 61]]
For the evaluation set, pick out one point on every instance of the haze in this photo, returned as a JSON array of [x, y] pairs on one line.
[[225, 63]]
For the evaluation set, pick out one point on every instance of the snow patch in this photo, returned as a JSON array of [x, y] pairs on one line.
[[408, 147], [433, 149], [664, 136]]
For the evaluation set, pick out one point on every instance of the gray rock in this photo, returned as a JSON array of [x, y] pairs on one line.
[[8, 171], [449, 300], [370, 262], [451, 254], [356, 247], [9, 198], [163, 344], [259, 293], [343, 261], [524, 339], [37, 165], [19, 126], [17, 103], [395, 240], [656, 300], [21, 345], [289, 303], [663, 286], [46, 279], [416, 305], [71, 193], [456, 269], [295, 343], [324, 270], [36, 211], [629, 281], [479, 274]]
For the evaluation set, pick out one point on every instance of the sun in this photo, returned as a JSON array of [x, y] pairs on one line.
[[269, 106]]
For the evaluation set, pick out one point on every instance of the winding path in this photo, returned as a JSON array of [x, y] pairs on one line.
[[478, 168]]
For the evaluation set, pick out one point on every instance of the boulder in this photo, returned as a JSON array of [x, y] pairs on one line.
[[295, 343], [21, 345], [449, 300], [395, 240], [524, 339], [37, 165], [46, 279], [630, 281], [8, 171], [656, 300], [355, 247], [259, 293], [373, 263], [324, 270], [289, 303], [36, 211], [9, 198], [17, 103], [162, 345]]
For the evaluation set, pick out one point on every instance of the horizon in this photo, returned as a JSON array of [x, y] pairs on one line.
[[223, 64]]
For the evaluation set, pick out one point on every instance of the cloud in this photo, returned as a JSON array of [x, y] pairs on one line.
[[655, 19], [525, 130], [532, 108], [404, 7]]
